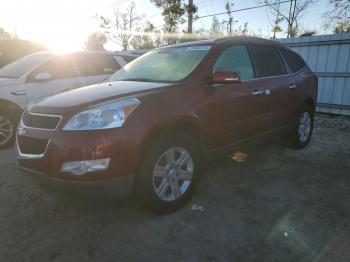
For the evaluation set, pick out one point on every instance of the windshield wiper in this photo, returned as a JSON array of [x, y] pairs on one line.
[[5, 76], [139, 79]]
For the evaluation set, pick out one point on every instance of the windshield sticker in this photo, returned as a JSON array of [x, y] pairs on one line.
[[198, 48]]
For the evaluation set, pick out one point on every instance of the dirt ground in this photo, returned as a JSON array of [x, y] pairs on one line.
[[269, 203]]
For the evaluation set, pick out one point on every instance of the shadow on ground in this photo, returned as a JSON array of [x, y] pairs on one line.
[[267, 203]]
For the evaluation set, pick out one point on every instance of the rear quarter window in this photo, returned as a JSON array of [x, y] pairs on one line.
[[268, 61], [294, 61]]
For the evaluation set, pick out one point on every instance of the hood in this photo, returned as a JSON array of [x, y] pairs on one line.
[[6, 81], [78, 99]]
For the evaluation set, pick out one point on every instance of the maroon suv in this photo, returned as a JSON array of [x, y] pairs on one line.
[[149, 127]]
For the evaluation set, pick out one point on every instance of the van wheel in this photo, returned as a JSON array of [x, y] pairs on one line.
[[303, 132], [169, 173], [7, 130]]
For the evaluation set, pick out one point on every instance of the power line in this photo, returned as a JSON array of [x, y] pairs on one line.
[[243, 9]]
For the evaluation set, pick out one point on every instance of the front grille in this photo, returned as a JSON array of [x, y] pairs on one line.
[[40, 121], [32, 146]]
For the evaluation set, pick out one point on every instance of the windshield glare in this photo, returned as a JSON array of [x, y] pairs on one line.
[[163, 65], [22, 65]]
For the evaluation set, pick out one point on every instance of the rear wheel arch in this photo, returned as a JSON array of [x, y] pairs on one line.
[[310, 102]]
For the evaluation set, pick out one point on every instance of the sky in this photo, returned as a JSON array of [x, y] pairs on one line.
[[63, 25]]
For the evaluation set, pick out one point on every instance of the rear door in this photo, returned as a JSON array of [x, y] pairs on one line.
[[236, 111], [95, 68], [272, 77], [296, 81]]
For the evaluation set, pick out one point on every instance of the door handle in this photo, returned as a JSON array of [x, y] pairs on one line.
[[292, 86], [258, 92], [19, 93]]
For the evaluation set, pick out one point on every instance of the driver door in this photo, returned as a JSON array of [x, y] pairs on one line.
[[55, 76]]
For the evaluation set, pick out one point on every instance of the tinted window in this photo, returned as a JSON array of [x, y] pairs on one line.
[[235, 59], [267, 61], [95, 64], [294, 61], [58, 67]]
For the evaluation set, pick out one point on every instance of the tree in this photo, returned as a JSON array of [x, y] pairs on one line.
[[172, 11], [308, 33], [339, 17], [96, 41], [216, 28], [122, 26], [230, 22], [4, 35], [289, 15], [150, 38]]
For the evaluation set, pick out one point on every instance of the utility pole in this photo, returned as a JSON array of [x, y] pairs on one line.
[[190, 16]]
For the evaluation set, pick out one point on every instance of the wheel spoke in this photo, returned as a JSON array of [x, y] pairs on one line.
[[182, 159], [162, 187], [175, 189], [3, 134], [160, 171], [4, 124], [170, 156], [5, 130], [172, 174], [185, 175]]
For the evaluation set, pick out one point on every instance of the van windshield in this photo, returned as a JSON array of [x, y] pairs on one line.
[[170, 64], [22, 65]]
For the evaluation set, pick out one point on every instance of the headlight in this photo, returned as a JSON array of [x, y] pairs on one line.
[[105, 116]]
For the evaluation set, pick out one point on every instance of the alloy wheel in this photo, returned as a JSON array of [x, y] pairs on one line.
[[172, 174], [304, 127], [6, 130]]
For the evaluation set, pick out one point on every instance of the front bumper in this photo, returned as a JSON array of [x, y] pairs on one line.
[[109, 188], [121, 146]]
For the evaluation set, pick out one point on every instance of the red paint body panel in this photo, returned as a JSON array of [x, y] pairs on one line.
[[219, 114]]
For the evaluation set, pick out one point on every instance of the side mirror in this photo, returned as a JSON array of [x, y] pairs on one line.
[[226, 77], [41, 77]]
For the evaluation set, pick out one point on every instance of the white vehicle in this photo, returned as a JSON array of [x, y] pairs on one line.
[[44, 74]]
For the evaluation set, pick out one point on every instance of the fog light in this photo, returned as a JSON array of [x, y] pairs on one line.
[[87, 166]]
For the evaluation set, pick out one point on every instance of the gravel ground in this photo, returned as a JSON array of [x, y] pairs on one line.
[[265, 203]]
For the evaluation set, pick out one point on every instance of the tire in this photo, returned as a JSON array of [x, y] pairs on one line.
[[8, 127], [157, 190], [304, 128]]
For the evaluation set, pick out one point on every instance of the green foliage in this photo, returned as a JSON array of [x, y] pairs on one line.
[[308, 33], [12, 49], [173, 12], [338, 18], [96, 41], [121, 28]]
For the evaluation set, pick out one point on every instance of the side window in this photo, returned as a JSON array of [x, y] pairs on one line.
[[294, 61], [59, 67], [128, 59], [235, 59], [95, 64], [267, 60]]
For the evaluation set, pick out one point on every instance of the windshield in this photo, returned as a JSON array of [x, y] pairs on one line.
[[163, 65], [22, 65]]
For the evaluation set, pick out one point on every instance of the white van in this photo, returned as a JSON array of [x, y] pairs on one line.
[[44, 74]]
